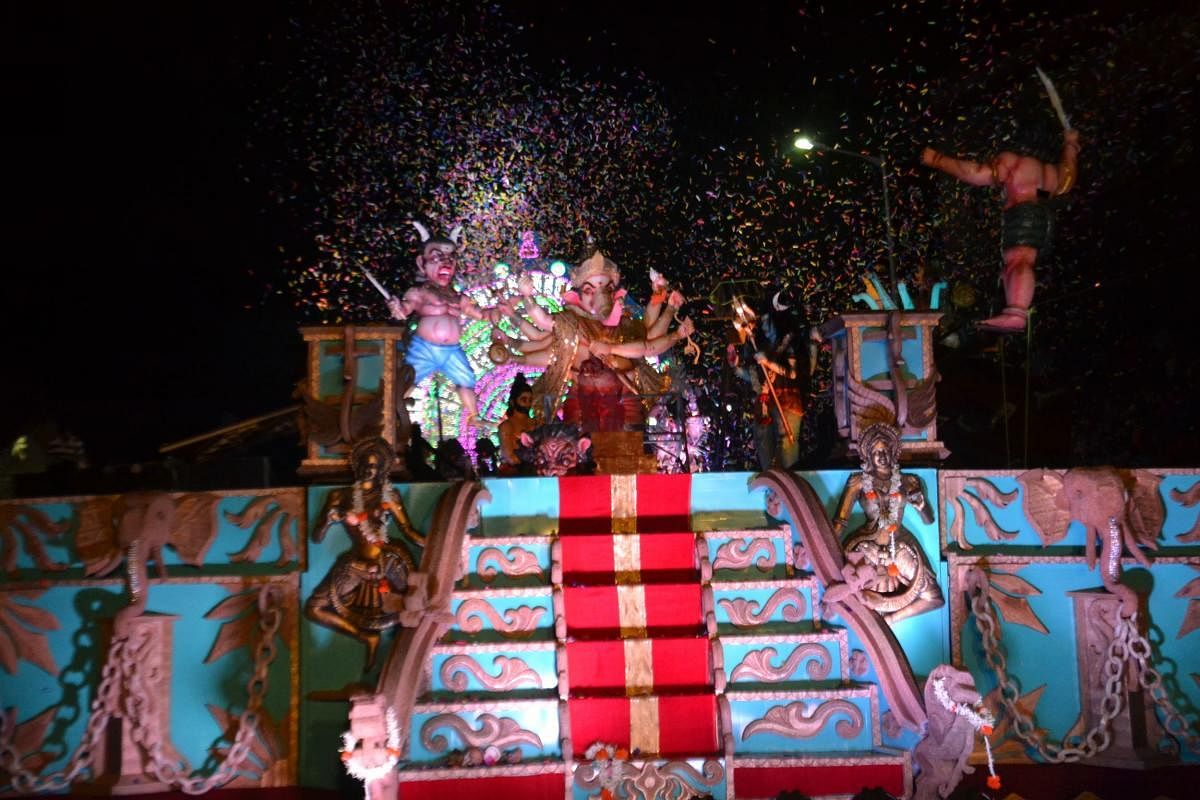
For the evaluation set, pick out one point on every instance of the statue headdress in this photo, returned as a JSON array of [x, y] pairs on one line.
[[595, 266], [879, 432]]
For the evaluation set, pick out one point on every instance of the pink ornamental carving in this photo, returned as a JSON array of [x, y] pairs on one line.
[[493, 731], [515, 622], [740, 554], [745, 613], [794, 722], [514, 673], [757, 664], [516, 562]]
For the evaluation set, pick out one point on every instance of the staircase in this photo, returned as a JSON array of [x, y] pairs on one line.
[[699, 661]]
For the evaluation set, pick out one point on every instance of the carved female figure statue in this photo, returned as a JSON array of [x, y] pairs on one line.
[[354, 597], [904, 584]]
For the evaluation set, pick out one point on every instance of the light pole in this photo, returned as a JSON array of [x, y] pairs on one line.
[[804, 143]]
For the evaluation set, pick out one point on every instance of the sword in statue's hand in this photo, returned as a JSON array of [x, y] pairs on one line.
[[1055, 100], [379, 286]]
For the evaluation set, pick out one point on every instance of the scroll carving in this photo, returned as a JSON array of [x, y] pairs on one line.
[[23, 632], [31, 524], [1009, 593], [983, 490], [741, 554], [516, 562], [793, 722], [513, 673], [498, 731], [515, 622], [673, 780], [757, 664], [745, 613], [261, 514], [1187, 499]]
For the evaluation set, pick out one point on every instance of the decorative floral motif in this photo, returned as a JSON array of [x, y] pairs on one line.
[[513, 673], [1187, 499], [23, 632], [517, 622], [741, 554], [1009, 594], [32, 525], [262, 514], [757, 664], [794, 721], [609, 771], [745, 613], [493, 730], [1191, 619], [516, 562], [981, 490]]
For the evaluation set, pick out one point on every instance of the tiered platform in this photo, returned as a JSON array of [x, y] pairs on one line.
[[669, 619]]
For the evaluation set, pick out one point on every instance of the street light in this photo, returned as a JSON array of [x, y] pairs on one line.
[[804, 143]]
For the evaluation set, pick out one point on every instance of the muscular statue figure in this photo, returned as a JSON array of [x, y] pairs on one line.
[[597, 347], [440, 308], [354, 597], [904, 584], [1028, 223]]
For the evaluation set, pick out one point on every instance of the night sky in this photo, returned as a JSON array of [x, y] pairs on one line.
[[155, 275]]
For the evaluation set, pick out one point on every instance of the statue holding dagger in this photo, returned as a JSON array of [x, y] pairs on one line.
[[439, 308]]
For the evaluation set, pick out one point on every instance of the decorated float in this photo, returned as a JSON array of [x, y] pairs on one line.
[[634, 632]]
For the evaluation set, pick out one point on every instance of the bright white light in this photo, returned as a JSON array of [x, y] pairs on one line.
[[501, 269], [804, 143], [558, 269]]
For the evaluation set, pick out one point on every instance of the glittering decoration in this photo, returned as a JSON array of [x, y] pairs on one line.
[[434, 112]]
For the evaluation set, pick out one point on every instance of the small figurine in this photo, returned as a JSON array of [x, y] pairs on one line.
[[440, 307], [516, 422], [362, 595], [903, 582]]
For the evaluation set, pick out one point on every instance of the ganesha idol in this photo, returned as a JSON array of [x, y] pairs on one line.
[[594, 351]]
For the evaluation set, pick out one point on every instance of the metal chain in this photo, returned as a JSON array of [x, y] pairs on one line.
[[103, 704], [124, 668], [1151, 681], [1099, 737]]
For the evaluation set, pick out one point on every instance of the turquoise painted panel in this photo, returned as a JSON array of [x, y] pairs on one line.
[[827, 739], [77, 648], [728, 491], [540, 718], [1049, 660], [736, 653], [331, 369], [272, 517], [1012, 518], [542, 662], [520, 507]]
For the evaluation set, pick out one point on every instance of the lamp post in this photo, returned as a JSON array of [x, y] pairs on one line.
[[804, 143]]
